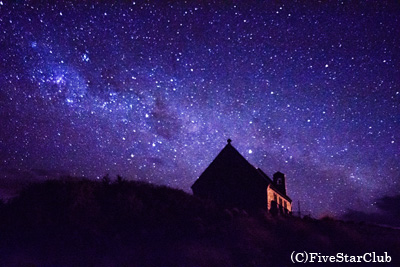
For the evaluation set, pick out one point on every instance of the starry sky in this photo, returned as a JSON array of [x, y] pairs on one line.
[[152, 91]]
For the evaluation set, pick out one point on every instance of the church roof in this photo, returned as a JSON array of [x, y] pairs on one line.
[[230, 162]]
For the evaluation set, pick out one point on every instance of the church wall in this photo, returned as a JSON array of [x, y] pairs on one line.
[[272, 195]]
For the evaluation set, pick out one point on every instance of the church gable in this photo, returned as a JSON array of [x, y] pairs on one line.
[[229, 167], [230, 180]]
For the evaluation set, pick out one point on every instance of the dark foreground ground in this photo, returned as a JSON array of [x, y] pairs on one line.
[[88, 223]]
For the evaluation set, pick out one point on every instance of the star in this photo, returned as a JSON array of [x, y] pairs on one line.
[[153, 91]]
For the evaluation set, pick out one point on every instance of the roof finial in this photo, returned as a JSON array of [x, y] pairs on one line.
[[229, 141]]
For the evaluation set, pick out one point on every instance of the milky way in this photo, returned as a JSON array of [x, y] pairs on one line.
[[152, 91]]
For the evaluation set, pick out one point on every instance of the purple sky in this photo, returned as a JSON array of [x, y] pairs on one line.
[[152, 92]]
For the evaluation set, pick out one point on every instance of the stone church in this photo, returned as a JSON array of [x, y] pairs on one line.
[[231, 181]]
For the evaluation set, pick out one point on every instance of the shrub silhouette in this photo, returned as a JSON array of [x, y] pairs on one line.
[[120, 222]]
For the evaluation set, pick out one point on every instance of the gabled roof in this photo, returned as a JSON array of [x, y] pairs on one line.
[[229, 158], [264, 175]]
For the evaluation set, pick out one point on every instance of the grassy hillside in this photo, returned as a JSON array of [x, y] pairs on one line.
[[81, 223]]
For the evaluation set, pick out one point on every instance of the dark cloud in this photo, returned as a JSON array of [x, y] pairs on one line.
[[389, 212]]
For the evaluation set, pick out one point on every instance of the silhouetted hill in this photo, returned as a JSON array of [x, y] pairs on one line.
[[86, 223]]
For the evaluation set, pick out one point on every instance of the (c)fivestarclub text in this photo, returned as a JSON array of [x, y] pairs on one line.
[[314, 257]]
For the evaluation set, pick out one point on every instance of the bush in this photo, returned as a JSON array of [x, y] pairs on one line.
[[83, 222]]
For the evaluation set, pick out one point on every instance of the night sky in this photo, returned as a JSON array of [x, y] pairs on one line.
[[152, 91]]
